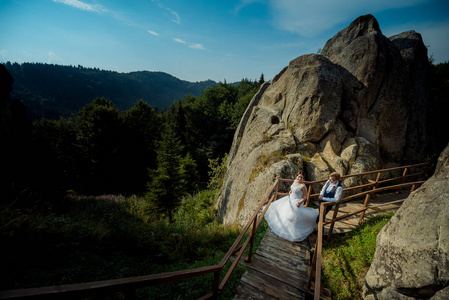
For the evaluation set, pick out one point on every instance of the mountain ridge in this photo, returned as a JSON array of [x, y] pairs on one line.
[[50, 90]]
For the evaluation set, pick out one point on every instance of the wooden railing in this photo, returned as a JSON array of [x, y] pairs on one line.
[[130, 285], [314, 282]]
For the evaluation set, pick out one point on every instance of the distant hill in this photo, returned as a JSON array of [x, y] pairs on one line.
[[52, 90]]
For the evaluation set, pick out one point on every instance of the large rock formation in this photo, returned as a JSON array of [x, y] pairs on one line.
[[339, 111], [412, 254]]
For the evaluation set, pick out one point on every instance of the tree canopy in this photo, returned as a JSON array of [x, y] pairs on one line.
[[101, 149]]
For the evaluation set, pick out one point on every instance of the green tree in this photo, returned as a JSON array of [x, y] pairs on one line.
[[141, 126], [56, 156], [261, 79], [217, 172], [99, 132], [173, 176], [206, 124], [175, 118]]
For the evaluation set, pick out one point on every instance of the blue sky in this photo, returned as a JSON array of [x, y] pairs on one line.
[[197, 40]]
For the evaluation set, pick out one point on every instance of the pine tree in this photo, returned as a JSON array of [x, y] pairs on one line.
[[262, 79], [173, 176]]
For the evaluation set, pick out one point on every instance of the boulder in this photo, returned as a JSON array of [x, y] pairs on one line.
[[416, 65], [350, 109], [412, 251]]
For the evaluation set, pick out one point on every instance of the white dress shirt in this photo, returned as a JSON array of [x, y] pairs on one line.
[[337, 195]]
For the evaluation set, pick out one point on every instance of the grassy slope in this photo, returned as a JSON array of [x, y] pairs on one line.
[[346, 259], [98, 238]]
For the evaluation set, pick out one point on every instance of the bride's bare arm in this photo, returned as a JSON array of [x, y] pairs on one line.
[[304, 191], [299, 203]]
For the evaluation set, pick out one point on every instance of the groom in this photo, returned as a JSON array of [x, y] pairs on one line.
[[331, 192]]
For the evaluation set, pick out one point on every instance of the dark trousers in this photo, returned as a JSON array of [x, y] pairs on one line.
[[327, 209]]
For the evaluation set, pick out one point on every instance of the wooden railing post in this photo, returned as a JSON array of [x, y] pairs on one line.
[[318, 253], [276, 190], [215, 285], [334, 216], [312, 268], [253, 235], [403, 175], [309, 191], [367, 197]]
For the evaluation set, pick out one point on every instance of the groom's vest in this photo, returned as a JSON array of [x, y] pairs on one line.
[[331, 193]]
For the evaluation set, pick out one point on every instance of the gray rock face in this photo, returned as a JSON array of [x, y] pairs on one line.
[[412, 252], [341, 111]]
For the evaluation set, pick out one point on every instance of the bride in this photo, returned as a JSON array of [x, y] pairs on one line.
[[288, 218]]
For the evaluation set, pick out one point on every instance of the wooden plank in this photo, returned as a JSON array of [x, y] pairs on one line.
[[288, 275], [349, 223], [287, 262], [291, 268], [294, 245], [281, 246], [279, 253], [276, 242], [245, 292], [282, 252], [272, 287]]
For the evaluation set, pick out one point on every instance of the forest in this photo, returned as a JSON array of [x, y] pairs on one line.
[[103, 150], [107, 192], [50, 91]]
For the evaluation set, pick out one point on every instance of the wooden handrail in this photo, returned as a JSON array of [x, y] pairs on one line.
[[382, 189], [318, 254], [316, 261], [106, 286], [133, 283], [239, 238]]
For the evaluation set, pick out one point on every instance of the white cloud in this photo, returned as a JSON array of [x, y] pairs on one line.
[[243, 3], [176, 19], [311, 17], [179, 41], [54, 59], [153, 33], [196, 46], [191, 45], [83, 6], [3, 53]]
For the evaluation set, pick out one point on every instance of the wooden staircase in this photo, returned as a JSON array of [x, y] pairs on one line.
[[279, 270]]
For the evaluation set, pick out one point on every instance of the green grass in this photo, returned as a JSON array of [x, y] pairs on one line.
[[82, 239], [346, 259]]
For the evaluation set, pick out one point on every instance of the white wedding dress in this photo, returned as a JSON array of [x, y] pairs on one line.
[[289, 221]]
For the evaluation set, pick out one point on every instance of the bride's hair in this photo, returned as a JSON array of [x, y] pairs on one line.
[[299, 173]]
